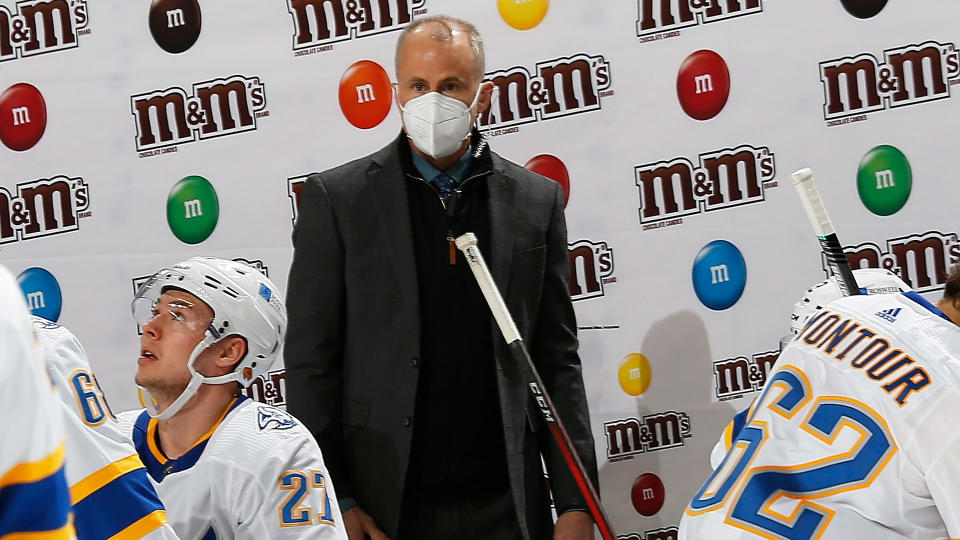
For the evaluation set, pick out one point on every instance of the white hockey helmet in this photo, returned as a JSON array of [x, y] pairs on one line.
[[870, 280], [244, 303]]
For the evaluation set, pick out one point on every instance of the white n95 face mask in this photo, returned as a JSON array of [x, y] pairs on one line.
[[437, 124]]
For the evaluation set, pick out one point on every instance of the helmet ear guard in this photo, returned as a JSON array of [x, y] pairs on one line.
[[870, 280], [245, 303]]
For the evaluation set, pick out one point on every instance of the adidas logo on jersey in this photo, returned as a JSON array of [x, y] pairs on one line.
[[274, 419], [889, 314]]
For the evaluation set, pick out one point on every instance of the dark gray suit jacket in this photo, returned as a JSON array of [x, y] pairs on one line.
[[353, 337]]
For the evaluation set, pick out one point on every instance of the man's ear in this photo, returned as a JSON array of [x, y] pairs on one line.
[[486, 94], [232, 350]]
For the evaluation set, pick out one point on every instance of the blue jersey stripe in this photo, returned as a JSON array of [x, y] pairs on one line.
[[129, 498], [738, 422], [925, 303], [154, 467], [43, 505]]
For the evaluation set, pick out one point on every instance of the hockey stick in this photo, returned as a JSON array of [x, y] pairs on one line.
[[467, 243], [836, 259]]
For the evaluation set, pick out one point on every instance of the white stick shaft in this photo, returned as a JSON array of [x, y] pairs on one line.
[[829, 243], [810, 197], [467, 243]]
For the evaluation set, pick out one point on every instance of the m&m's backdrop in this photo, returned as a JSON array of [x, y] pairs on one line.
[[135, 134]]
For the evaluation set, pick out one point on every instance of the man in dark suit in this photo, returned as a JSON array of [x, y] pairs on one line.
[[393, 360]]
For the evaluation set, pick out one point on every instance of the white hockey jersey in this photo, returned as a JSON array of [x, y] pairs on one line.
[[34, 498], [257, 474], [109, 488], [855, 436]]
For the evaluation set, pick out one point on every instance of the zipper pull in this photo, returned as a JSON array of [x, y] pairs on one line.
[[452, 205]]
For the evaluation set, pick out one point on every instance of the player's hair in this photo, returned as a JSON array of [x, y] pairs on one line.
[[441, 29], [951, 290]]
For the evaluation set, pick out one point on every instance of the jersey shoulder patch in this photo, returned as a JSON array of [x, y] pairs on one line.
[[273, 419]]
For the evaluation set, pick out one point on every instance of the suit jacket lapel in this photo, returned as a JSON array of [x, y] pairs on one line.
[[513, 394], [387, 186], [503, 216]]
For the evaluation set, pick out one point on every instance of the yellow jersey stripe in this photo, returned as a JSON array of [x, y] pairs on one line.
[[216, 424], [142, 526], [104, 476], [31, 471], [152, 431], [728, 436], [63, 533]]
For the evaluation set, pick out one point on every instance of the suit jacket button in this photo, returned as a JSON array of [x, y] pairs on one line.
[[405, 421], [414, 362]]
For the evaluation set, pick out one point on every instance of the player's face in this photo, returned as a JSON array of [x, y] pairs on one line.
[[177, 326], [448, 67]]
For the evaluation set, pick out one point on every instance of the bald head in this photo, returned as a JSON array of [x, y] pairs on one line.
[[444, 29]]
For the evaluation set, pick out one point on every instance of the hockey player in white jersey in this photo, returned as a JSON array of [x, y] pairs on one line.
[[34, 498], [855, 435], [223, 465], [872, 281], [112, 496]]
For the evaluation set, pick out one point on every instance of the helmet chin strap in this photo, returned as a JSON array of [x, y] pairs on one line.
[[196, 379]]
